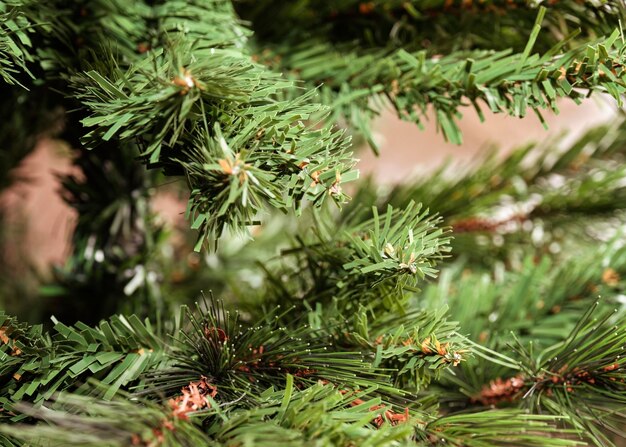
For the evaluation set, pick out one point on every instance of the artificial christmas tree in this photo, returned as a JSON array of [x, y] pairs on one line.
[[478, 309]]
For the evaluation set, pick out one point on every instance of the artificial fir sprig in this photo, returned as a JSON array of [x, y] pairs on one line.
[[540, 301], [407, 66], [413, 82], [294, 417], [243, 360], [592, 392], [251, 155], [525, 204], [234, 361], [78, 420], [394, 243], [15, 42], [582, 377], [281, 164], [167, 87], [421, 346], [378, 257], [561, 362], [36, 365], [498, 427]]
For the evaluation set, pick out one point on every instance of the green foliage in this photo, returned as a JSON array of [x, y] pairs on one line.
[[80, 420], [377, 258], [246, 360], [319, 414], [547, 357], [349, 331], [422, 345], [540, 302], [36, 365], [263, 153], [414, 83], [497, 428], [15, 43], [241, 363], [592, 392]]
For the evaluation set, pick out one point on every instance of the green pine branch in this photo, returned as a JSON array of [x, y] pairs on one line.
[[499, 427], [246, 144], [412, 82], [292, 417], [340, 345], [380, 257], [245, 157], [36, 365], [580, 378], [15, 42], [79, 420], [421, 346], [537, 351], [540, 301], [243, 359]]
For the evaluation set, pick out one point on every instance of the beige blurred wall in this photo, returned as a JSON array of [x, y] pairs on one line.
[[43, 223], [406, 150]]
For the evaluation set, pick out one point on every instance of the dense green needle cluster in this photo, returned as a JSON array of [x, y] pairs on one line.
[[473, 306]]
